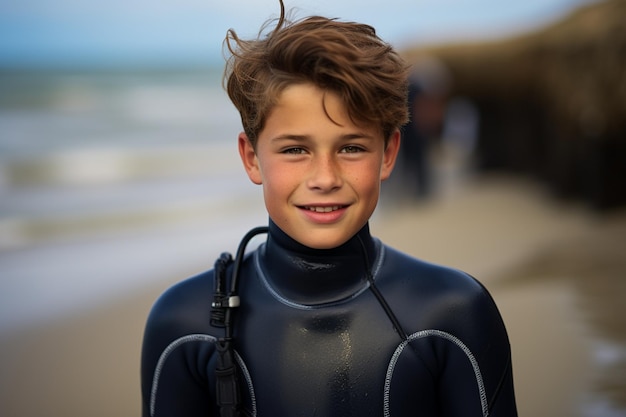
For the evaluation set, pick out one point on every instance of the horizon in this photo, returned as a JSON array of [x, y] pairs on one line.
[[65, 34]]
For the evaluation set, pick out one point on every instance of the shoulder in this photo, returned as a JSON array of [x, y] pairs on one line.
[[183, 308], [409, 271], [444, 295]]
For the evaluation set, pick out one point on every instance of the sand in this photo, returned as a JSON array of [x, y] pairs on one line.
[[556, 270]]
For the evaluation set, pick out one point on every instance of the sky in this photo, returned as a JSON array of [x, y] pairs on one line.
[[179, 32]]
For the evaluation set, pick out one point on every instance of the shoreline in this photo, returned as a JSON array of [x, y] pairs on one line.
[[522, 249]]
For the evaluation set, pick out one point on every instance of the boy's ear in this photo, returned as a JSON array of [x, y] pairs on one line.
[[249, 159], [390, 154]]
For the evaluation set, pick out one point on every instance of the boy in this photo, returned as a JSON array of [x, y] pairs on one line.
[[328, 321]]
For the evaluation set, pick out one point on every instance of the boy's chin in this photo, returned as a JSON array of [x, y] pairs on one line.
[[322, 239]]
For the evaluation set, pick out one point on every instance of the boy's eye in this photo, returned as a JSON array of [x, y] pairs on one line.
[[351, 149], [294, 151]]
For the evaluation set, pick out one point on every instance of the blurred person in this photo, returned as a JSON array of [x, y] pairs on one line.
[[460, 128], [460, 132], [327, 320], [428, 88]]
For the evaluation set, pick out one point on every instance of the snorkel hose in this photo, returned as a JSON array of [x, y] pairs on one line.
[[228, 393]]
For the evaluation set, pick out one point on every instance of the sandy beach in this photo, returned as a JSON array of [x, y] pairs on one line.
[[120, 176], [555, 269]]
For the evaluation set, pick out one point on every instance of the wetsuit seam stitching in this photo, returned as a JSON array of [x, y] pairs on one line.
[[437, 333], [198, 337], [257, 264]]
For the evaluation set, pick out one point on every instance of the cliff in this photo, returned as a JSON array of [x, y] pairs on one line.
[[552, 103]]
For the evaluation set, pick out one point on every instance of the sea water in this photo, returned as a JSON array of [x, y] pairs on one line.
[[111, 182]]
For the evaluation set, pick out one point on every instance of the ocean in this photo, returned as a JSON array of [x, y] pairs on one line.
[[111, 182]]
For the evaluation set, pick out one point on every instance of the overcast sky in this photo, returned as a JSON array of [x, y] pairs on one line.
[[66, 32]]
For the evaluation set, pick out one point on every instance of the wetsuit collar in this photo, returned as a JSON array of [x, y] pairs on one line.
[[307, 276]]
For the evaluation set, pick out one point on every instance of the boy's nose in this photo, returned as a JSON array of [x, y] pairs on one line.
[[325, 174]]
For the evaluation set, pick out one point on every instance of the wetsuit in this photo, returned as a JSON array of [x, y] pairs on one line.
[[313, 339]]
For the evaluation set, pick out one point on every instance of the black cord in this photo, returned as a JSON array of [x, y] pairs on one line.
[[228, 391], [381, 300], [241, 252], [228, 395]]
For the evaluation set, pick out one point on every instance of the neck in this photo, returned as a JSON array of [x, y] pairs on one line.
[[307, 276]]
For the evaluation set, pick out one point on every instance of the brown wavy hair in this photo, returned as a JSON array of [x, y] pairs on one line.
[[346, 58]]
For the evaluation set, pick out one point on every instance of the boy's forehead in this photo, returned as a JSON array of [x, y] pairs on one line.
[[309, 99]]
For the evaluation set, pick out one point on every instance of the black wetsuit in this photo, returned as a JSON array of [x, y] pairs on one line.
[[314, 340]]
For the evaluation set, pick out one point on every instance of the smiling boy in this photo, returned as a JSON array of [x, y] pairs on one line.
[[328, 321], [320, 172]]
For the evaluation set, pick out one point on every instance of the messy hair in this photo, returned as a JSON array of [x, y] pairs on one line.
[[346, 58]]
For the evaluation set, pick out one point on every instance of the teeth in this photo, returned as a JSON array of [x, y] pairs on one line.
[[323, 209]]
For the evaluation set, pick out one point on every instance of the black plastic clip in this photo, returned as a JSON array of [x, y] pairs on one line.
[[220, 300], [228, 392], [226, 302]]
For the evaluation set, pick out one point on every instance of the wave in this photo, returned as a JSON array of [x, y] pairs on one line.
[[112, 182]]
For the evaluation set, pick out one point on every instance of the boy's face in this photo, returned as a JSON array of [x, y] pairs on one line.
[[321, 179]]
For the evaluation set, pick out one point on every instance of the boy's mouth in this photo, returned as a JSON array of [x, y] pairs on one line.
[[322, 209]]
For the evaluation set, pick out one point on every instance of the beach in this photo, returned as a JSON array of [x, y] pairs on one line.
[[114, 188], [554, 269]]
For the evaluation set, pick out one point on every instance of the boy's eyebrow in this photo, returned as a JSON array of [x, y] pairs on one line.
[[358, 135], [289, 136], [302, 138]]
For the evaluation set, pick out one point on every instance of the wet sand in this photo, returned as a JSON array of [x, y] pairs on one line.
[[558, 274], [556, 271]]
